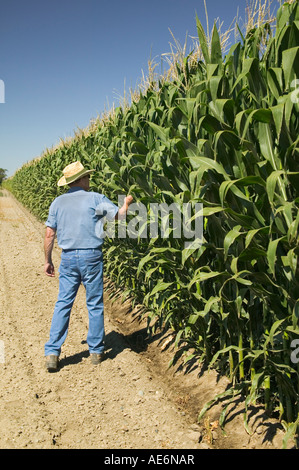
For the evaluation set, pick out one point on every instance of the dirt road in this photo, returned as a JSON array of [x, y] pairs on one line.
[[128, 402]]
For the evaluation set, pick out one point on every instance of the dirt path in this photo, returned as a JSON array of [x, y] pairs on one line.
[[129, 402]]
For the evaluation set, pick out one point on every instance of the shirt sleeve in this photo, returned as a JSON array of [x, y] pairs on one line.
[[106, 208], [52, 220]]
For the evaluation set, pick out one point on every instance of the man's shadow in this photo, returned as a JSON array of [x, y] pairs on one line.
[[115, 343]]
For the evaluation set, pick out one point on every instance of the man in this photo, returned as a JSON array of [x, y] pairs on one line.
[[74, 217]]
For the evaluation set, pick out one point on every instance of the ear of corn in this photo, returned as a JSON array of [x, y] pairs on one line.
[[223, 132]]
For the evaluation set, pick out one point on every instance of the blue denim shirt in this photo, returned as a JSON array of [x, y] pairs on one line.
[[77, 216]]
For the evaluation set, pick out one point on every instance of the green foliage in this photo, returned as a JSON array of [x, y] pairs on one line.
[[2, 175], [224, 134]]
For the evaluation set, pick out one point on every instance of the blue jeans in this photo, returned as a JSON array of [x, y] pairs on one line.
[[78, 266]]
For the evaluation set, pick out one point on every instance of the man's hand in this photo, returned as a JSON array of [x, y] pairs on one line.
[[123, 210], [128, 201], [49, 269]]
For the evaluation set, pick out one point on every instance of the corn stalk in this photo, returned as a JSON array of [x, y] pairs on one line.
[[224, 132]]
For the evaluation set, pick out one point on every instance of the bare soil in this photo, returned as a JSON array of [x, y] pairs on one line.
[[131, 401]]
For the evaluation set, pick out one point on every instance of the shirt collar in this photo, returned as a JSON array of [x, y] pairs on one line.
[[75, 189]]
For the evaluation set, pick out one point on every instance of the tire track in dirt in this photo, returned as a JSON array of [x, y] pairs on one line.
[[117, 405]]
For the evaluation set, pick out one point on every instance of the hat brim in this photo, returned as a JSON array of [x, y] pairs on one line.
[[64, 182]]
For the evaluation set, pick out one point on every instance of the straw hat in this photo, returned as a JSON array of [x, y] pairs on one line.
[[72, 173]]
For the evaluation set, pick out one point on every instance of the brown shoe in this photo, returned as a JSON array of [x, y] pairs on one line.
[[52, 363], [96, 358]]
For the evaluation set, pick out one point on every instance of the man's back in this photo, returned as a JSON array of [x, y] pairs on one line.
[[74, 216]]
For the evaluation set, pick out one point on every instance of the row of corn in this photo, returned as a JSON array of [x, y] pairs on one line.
[[223, 133]]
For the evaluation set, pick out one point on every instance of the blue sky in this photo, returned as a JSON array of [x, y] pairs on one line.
[[63, 62]]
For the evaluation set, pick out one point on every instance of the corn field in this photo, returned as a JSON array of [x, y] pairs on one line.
[[222, 132]]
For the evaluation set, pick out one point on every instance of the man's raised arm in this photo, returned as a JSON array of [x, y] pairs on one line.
[[123, 210]]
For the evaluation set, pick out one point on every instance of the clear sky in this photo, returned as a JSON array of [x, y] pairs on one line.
[[63, 62]]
